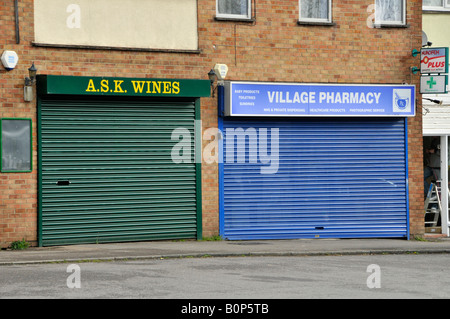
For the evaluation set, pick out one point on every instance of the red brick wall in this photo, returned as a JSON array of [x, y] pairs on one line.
[[272, 48]]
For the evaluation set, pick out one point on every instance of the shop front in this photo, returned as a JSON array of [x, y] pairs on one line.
[[436, 135], [314, 160], [106, 170]]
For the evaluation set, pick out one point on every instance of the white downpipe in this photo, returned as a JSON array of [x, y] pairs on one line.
[[444, 185]]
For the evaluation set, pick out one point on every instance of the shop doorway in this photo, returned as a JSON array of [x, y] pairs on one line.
[[436, 190]]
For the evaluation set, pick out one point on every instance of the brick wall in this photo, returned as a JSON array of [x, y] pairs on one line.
[[272, 48]]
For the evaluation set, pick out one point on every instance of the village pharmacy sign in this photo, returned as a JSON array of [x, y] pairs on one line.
[[290, 99]]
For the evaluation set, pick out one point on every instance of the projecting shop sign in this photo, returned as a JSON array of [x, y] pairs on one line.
[[433, 84], [434, 60], [274, 99]]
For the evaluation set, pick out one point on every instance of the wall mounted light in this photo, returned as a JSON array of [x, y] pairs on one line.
[[212, 78], [28, 95], [32, 71]]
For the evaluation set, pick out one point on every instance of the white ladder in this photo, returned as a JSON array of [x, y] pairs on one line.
[[433, 205]]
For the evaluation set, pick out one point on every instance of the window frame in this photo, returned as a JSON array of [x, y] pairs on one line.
[[445, 6], [230, 16], [329, 18], [8, 170], [392, 23]]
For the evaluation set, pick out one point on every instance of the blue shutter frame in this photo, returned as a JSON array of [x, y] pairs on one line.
[[337, 178]]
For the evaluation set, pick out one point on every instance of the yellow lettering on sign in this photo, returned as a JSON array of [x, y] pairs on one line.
[[176, 87], [104, 86], [91, 86], [149, 85], [156, 87], [138, 86], [166, 87], [118, 88]]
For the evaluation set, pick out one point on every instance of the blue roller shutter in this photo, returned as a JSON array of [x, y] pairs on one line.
[[337, 178]]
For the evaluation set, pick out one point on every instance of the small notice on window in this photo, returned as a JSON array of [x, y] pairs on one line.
[[16, 145]]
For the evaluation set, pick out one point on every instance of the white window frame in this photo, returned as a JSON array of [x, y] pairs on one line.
[[327, 20], [392, 23], [247, 16], [445, 6]]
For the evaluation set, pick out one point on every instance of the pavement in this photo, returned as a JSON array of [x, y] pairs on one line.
[[192, 248]]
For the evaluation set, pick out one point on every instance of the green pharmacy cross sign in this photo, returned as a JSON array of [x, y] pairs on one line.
[[433, 84]]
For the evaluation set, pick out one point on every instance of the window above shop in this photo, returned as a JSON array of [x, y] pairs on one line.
[[390, 13], [233, 9], [436, 5], [315, 12]]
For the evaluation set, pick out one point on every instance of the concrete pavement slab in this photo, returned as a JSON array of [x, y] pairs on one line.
[[192, 248]]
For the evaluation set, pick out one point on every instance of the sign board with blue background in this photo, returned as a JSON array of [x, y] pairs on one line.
[[332, 100]]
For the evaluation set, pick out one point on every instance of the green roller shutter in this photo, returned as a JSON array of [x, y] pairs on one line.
[[106, 172]]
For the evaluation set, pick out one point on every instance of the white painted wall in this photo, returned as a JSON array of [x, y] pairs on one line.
[[436, 118]]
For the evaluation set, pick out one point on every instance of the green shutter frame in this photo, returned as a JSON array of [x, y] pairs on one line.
[[106, 172]]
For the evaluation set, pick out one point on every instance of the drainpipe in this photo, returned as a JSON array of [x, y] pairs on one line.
[[444, 185], [16, 13]]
